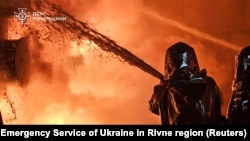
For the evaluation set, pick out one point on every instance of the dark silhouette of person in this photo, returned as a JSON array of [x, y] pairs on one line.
[[239, 105], [186, 95]]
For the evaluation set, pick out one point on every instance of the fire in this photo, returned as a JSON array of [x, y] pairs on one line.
[[55, 120], [82, 48], [74, 81]]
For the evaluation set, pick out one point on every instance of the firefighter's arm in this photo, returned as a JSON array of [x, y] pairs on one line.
[[154, 102]]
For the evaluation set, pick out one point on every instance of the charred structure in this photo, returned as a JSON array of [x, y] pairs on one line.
[[7, 58]]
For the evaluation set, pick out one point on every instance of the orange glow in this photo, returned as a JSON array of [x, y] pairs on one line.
[[78, 83]]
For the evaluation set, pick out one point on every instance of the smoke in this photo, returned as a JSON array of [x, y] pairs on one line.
[[191, 30], [70, 83]]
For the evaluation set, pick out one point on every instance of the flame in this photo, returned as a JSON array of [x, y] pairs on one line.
[[56, 120], [82, 48], [77, 83]]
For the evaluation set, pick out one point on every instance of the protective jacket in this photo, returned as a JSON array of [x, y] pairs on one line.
[[186, 95], [239, 105]]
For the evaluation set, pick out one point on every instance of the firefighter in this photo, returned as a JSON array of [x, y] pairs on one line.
[[239, 105], [186, 95]]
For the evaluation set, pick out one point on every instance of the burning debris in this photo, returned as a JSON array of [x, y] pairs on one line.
[[7, 58], [8, 68]]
